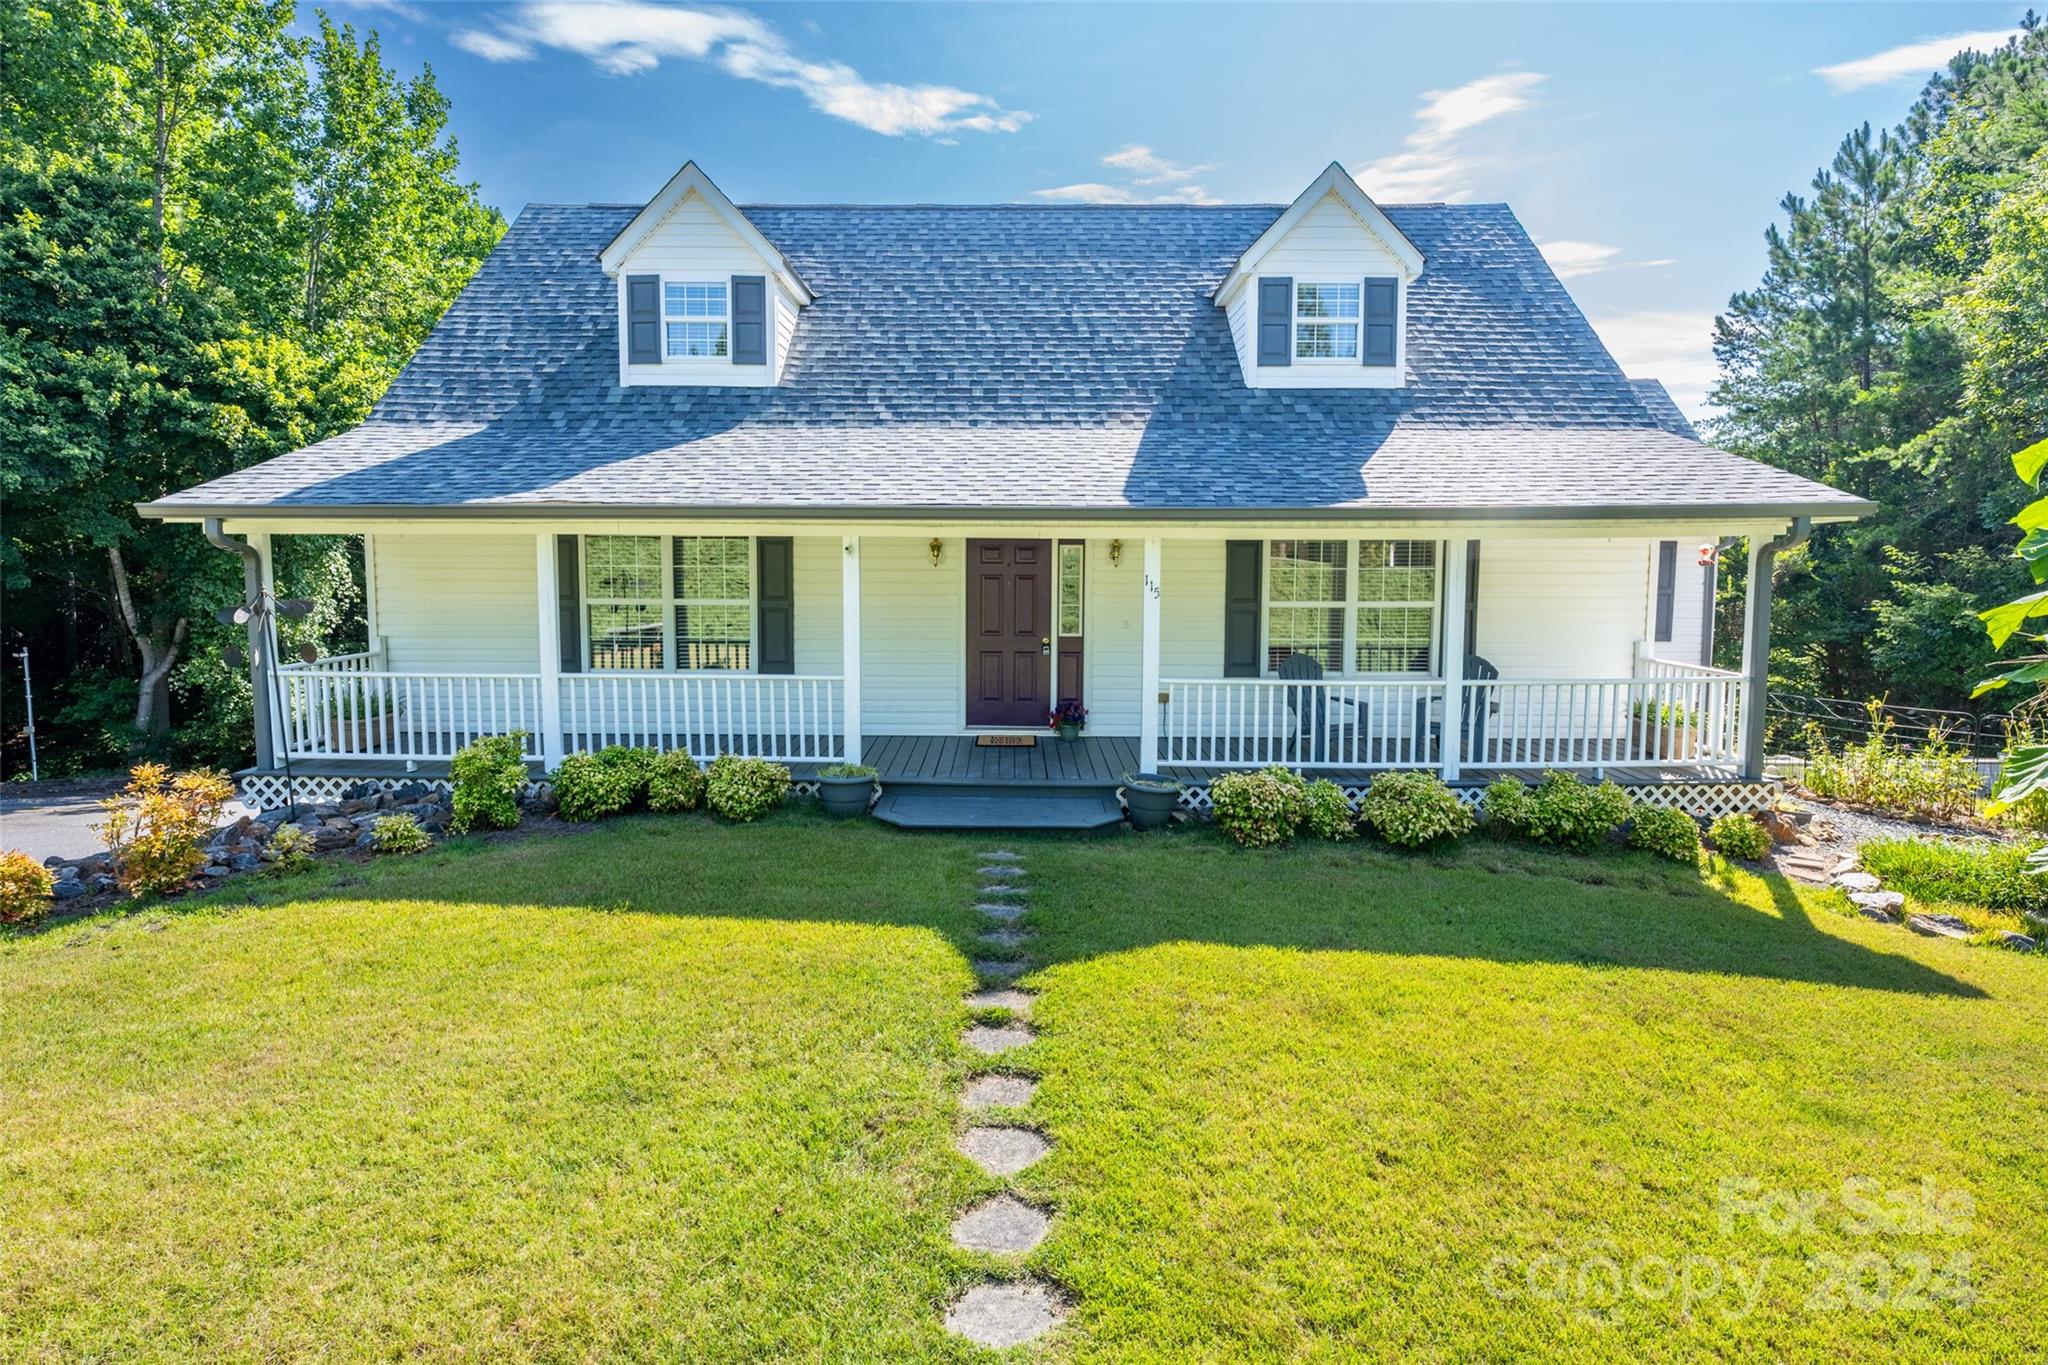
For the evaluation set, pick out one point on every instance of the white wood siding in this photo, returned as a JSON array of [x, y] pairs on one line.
[[1190, 608], [1330, 243], [693, 242], [1688, 606], [913, 636], [458, 603], [1562, 608], [1112, 640]]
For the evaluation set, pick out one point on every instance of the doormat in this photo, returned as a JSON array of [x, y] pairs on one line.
[[1006, 741]]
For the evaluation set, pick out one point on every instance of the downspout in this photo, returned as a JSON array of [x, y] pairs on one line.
[[1756, 643], [260, 662]]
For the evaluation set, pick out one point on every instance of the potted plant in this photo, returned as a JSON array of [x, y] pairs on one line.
[[1069, 718], [1151, 799], [363, 722], [846, 788], [1664, 729]]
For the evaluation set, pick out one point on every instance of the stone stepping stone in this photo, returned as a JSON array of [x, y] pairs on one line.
[[1938, 926], [990, 970], [1015, 1001], [1804, 865], [1001, 889], [1004, 938], [991, 1092], [991, 1039], [1002, 1151], [1857, 881], [1004, 912], [998, 1315], [1002, 872], [1883, 906], [1005, 1225], [1000, 855]]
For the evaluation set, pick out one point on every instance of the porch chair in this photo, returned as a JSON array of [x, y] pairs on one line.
[[1309, 708], [1478, 705]]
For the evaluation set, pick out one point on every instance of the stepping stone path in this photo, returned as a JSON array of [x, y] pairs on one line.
[[1015, 1311]]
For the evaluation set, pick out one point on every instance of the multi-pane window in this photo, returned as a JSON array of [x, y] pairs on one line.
[[714, 601], [1070, 589], [622, 595], [1355, 607], [641, 592], [1326, 321], [695, 319]]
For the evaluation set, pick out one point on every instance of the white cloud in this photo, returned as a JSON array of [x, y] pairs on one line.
[[1572, 259], [1144, 168], [1908, 61], [1434, 166], [626, 37], [1672, 346]]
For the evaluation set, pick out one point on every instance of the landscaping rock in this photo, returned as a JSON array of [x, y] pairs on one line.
[[1004, 1225], [1882, 906], [990, 1092], [1002, 1151], [2019, 943], [1857, 881], [1780, 825], [998, 910], [411, 791], [1938, 926], [999, 1315], [990, 1039], [245, 862], [364, 791], [103, 882], [67, 888]]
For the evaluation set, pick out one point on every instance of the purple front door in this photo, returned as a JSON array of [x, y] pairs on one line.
[[1009, 631]]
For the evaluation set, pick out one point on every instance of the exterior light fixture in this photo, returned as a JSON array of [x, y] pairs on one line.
[[1116, 554], [937, 547]]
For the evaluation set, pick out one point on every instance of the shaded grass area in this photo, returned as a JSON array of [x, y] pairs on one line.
[[666, 1089]]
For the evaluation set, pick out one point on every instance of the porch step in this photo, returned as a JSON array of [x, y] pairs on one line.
[[954, 805]]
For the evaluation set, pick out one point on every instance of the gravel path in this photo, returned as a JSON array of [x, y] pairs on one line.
[[1854, 827]]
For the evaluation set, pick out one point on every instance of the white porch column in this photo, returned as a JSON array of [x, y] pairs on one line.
[[1457, 555], [547, 574], [1148, 667], [268, 677], [1756, 642], [849, 641]]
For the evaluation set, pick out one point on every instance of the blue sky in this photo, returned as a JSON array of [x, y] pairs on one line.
[[1645, 146]]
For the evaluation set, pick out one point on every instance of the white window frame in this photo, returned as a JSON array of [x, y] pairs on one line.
[[670, 639], [1356, 322], [1350, 607], [722, 283]]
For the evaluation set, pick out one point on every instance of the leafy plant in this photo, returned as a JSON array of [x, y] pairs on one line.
[[1560, 810], [676, 784], [1739, 836], [1666, 832], [291, 848], [1327, 812], [399, 834], [2024, 773], [1067, 713], [592, 786], [1259, 809], [1980, 872], [1414, 810], [156, 828], [745, 788], [25, 888], [488, 774], [848, 770], [1668, 713], [1147, 782], [1936, 780], [1505, 804]]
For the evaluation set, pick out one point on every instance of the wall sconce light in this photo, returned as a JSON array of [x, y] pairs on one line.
[[937, 546], [1116, 554]]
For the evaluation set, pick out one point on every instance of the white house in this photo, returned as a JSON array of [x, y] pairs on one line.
[[1330, 484]]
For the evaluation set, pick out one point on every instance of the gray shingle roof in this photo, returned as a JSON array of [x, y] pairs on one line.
[[1008, 358], [1663, 408]]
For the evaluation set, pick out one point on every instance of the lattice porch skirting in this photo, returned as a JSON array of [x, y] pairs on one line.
[[266, 791], [1705, 799]]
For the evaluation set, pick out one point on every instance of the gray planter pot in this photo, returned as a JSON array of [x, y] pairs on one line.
[[1150, 809], [844, 796], [1069, 733]]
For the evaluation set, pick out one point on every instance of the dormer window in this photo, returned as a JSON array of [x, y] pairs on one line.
[[695, 320], [1326, 321]]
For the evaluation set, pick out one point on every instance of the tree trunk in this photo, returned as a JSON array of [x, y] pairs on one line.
[[159, 656]]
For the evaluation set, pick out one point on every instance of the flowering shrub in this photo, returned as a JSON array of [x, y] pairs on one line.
[[399, 834], [1261, 808], [1665, 832], [676, 783], [1067, 713], [292, 849], [156, 828], [25, 887], [592, 786], [1936, 780], [488, 774], [1740, 837], [744, 788], [1413, 810], [1328, 813]]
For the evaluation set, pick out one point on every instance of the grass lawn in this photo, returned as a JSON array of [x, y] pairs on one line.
[[672, 1090]]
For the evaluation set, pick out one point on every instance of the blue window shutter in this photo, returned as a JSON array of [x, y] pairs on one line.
[[643, 319], [775, 565], [1241, 562], [749, 320], [1382, 320], [1276, 321], [568, 599], [1667, 586]]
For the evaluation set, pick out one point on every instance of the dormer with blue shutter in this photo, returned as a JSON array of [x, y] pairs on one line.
[[1320, 300], [704, 298]]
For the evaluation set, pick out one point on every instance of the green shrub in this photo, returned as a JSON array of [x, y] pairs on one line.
[[488, 774], [1982, 873], [848, 770], [291, 849], [25, 888], [1414, 810], [1564, 811], [1665, 832], [1327, 812], [1505, 804], [399, 834], [745, 788], [1739, 836], [1935, 780], [592, 786], [676, 784], [1259, 809]]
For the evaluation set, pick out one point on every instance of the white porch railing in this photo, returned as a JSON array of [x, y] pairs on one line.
[[785, 717], [1669, 722], [1252, 722], [351, 712]]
